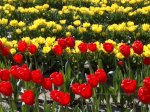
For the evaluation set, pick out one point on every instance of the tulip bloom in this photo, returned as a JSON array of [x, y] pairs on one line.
[[108, 47], [28, 97], [24, 73], [92, 47], [75, 88], [60, 97], [4, 75], [32, 48], [62, 43], [144, 95], [47, 83], [5, 51], [6, 88], [146, 61], [92, 80], [86, 91], [70, 42], [17, 58], [22, 46], [14, 71], [37, 76], [128, 86], [138, 47], [101, 75], [83, 47], [125, 50], [57, 49], [147, 83], [57, 78]]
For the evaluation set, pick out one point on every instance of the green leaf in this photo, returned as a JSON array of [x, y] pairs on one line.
[[127, 110], [46, 106], [1, 108], [68, 70], [53, 106], [25, 108], [97, 104], [76, 108], [100, 66], [14, 108], [111, 89]]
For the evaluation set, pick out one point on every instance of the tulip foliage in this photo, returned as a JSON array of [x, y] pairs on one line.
[[74, 55]]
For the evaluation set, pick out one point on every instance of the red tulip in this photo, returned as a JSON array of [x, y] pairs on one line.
[[6, 88], [83, 47], [125, 50], [62, 98], [138, 47], [17, 58], [58, 95], [57, 49], [24, 73], [22, 46], [86, 91], [62, 43], [14, 71], [108, 47], [121, 63], [65, 99], [28, 97], [144, 95], [47, 83], [57, 78], [70, 42], [5, 51], [53, 95], [92, 80], [146, 61], [128, 86], [92, 47], [147, 83], [32, 48], [4, 75], [101, 75], [75, 88], [37, 76]]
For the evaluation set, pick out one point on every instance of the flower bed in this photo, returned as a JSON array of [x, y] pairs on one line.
[[79, 55]]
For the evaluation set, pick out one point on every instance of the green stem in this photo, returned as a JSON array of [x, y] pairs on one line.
[[147, 108], [30, 63], [36, 107], [83, 110], [61, 60], [95, 96], [35, 62], [1, 108], [129, 68], [107, 99], [147, 71], [26, 85], [90, 68], [5, 60], [134, 107], [26, 59]]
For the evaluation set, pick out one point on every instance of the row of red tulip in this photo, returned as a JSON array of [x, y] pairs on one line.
[[84, 90]]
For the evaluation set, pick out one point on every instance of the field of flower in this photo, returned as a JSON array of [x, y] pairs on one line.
[[81, 55]]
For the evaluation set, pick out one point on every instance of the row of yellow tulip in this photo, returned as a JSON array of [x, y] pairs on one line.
[[20, 26], [95, 2], [7, 8]]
